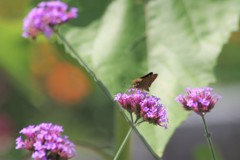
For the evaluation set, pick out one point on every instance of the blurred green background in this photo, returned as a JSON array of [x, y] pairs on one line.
[[40, 83]]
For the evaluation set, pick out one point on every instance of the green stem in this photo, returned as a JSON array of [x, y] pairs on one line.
[[208, 136], [131, 117], [123, 143]]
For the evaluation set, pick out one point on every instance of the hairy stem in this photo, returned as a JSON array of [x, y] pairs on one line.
[[208, 136]]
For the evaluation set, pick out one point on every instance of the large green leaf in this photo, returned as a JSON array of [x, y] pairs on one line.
[[121, 26], [184, 38], [82, 40], [107, 48], [113, 61]]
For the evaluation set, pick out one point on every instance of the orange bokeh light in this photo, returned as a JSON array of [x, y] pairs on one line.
[[67, 83]]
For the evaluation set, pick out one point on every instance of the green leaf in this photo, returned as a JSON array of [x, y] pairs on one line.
[[81, 39], [113, 61], [184, 38], [108, 46], [114, 49]]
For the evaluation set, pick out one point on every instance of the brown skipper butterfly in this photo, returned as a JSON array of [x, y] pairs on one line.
[[145, 81]]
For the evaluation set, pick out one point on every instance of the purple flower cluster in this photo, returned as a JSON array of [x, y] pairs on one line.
[[200, 100], [46, 142], [145, 106], [45, 16]]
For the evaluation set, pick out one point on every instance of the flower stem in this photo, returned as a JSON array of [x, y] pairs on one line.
[[208, 136], [123, 143]]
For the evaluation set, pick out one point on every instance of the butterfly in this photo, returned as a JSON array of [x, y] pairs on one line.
[[145, 81]]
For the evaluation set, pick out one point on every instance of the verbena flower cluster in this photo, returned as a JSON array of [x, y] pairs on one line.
[[44, 17], [145, 106], [200, 100], [46, 142]]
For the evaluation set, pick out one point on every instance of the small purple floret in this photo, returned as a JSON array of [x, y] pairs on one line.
[[45, 141], [200, 100], [145, 106], [47, 15]]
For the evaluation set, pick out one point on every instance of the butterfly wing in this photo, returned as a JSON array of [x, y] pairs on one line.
[[147, 75], [145, 81]]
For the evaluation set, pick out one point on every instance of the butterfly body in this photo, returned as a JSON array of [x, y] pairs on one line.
[[145, 81]]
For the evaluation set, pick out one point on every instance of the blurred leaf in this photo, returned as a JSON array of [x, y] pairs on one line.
[[227, 70], [89, 10], [184, 39], [17, 56], [203, 152], [12, 9], [14, 60]]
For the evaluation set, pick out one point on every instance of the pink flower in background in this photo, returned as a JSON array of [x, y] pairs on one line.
[[44, 17], [46, 142]]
